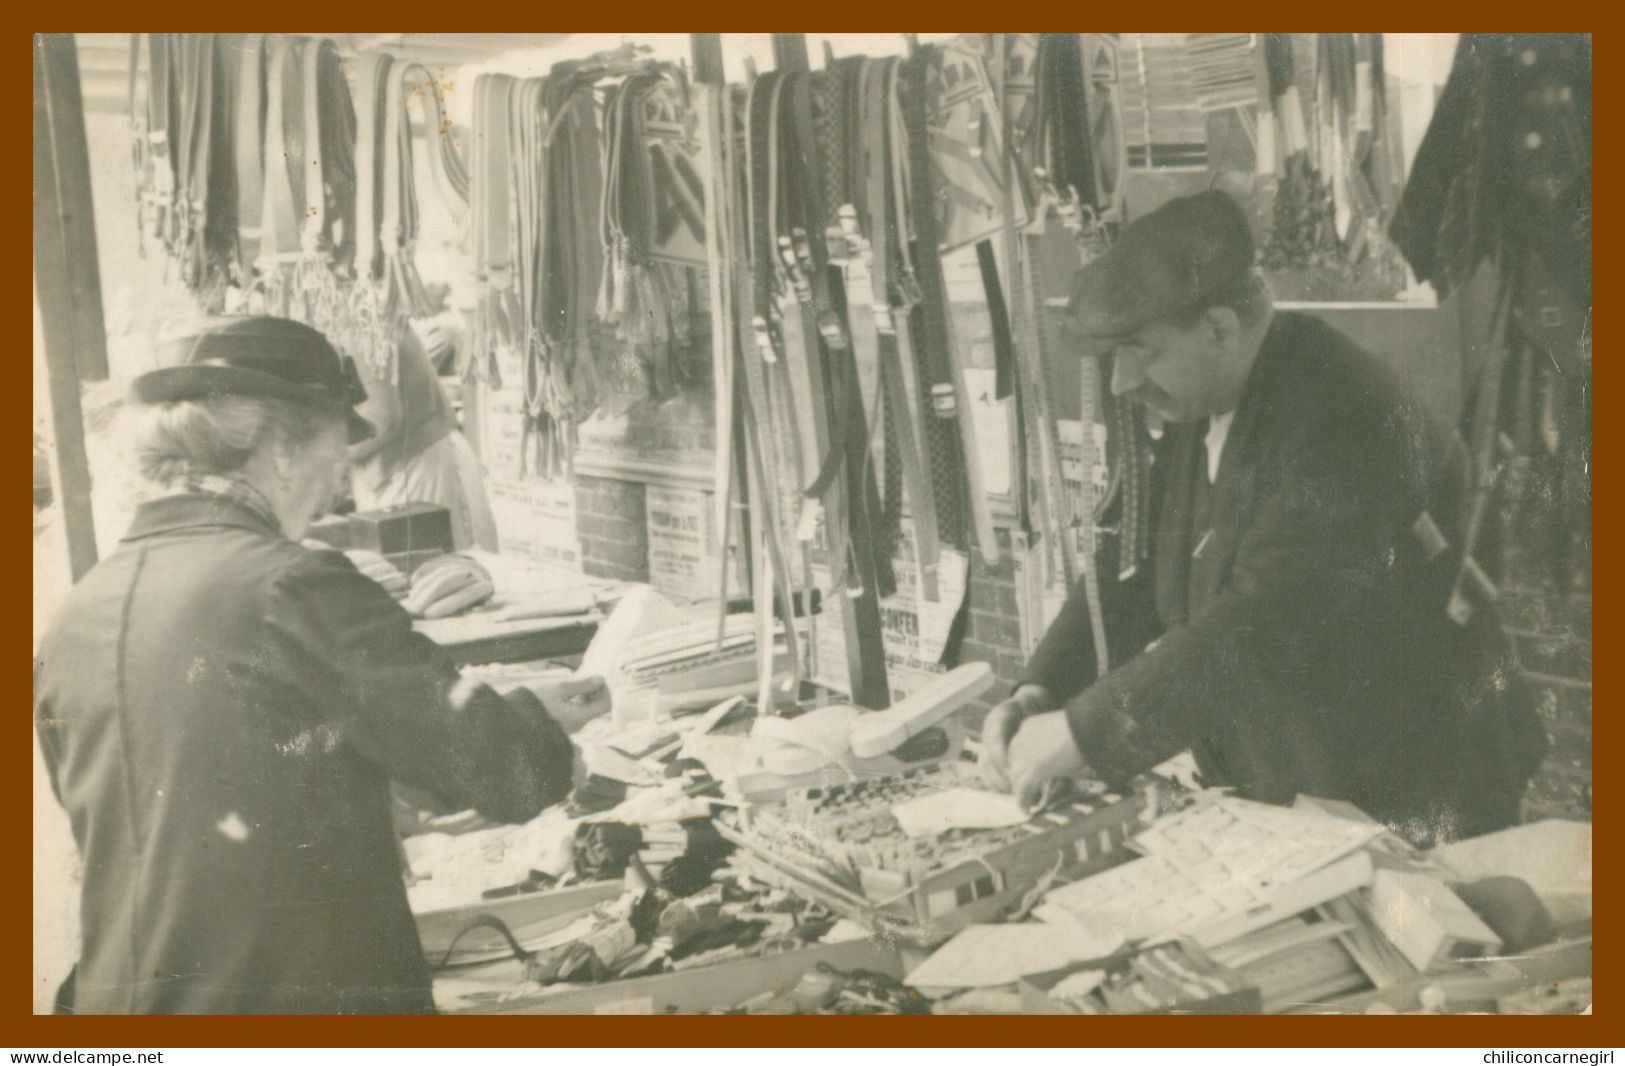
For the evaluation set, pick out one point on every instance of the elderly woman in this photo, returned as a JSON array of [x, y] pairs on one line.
[[222, 709]]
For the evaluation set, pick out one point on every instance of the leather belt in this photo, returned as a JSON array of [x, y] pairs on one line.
[[279, 246], [956, 458], [1056, 508], [250, 153], [491, 202], [870, 85]]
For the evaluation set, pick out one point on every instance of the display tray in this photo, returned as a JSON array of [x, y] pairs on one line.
[[490, 989], [923, 903], [528, 916]]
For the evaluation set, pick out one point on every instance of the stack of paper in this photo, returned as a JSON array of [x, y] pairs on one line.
[[1221, 870]]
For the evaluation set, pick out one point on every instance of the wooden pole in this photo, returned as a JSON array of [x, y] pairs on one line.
[[67, 282]]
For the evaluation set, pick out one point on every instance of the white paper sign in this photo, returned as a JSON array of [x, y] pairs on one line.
[[914, 631], [685, 553], [537, 519]]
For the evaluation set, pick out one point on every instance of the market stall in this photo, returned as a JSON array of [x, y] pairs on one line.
[[783, 421]]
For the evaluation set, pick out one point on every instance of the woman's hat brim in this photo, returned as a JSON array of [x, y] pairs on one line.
[[198, 381]]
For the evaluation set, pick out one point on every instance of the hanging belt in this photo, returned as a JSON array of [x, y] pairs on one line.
[[529, 163], [760, 450], [250, 153], [197, 261], [315, 280], [373, 71], [279, 247], [583, 186], [724, 231], [185, 83], [870, 88], [1035, 400], [852, 433], [956, 459], [160, 121], [140, 148], [491, 205]]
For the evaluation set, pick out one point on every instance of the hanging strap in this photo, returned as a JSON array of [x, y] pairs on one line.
[[160, 120], [872, 89], [1035, 398], [1004, 356], [372, 70], [279, 246], [491, 204], [956, 459], [250, 153], [314, 233]]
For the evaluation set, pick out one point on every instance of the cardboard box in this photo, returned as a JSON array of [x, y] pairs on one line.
[[410, 527]]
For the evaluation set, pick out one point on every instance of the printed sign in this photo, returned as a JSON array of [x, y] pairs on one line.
[[536, 517], [685, 552], [913, 631]]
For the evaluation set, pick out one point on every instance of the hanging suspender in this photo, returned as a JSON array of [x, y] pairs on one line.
[[279, 247], [943, 374], [491, 205], [250, 154], [1035, 398]]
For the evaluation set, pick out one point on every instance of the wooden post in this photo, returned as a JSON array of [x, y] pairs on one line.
[[67, 282]]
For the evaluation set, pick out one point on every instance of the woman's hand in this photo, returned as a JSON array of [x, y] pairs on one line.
[[572, 701], [448, 584], [379, 569]]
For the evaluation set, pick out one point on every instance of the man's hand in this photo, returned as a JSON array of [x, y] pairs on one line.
[[999, 729], [572, 701], [1042, 751]]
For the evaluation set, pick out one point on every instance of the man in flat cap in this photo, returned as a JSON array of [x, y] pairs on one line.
[[1303, 555]]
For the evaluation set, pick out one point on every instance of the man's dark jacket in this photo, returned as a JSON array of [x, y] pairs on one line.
[[1304, 647], [222, 711]]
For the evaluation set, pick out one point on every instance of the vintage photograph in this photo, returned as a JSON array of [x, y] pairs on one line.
[[845, 524]]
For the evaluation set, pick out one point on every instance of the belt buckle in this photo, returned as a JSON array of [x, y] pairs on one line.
[[909, 292], [764, 339]]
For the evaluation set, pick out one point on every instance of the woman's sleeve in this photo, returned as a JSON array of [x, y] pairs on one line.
[[396, 698]]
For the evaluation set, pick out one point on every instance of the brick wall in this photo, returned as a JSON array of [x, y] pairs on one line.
[[994, 633], [611, 525]]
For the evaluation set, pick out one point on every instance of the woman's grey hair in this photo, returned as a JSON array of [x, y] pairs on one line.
[[219, 434]]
